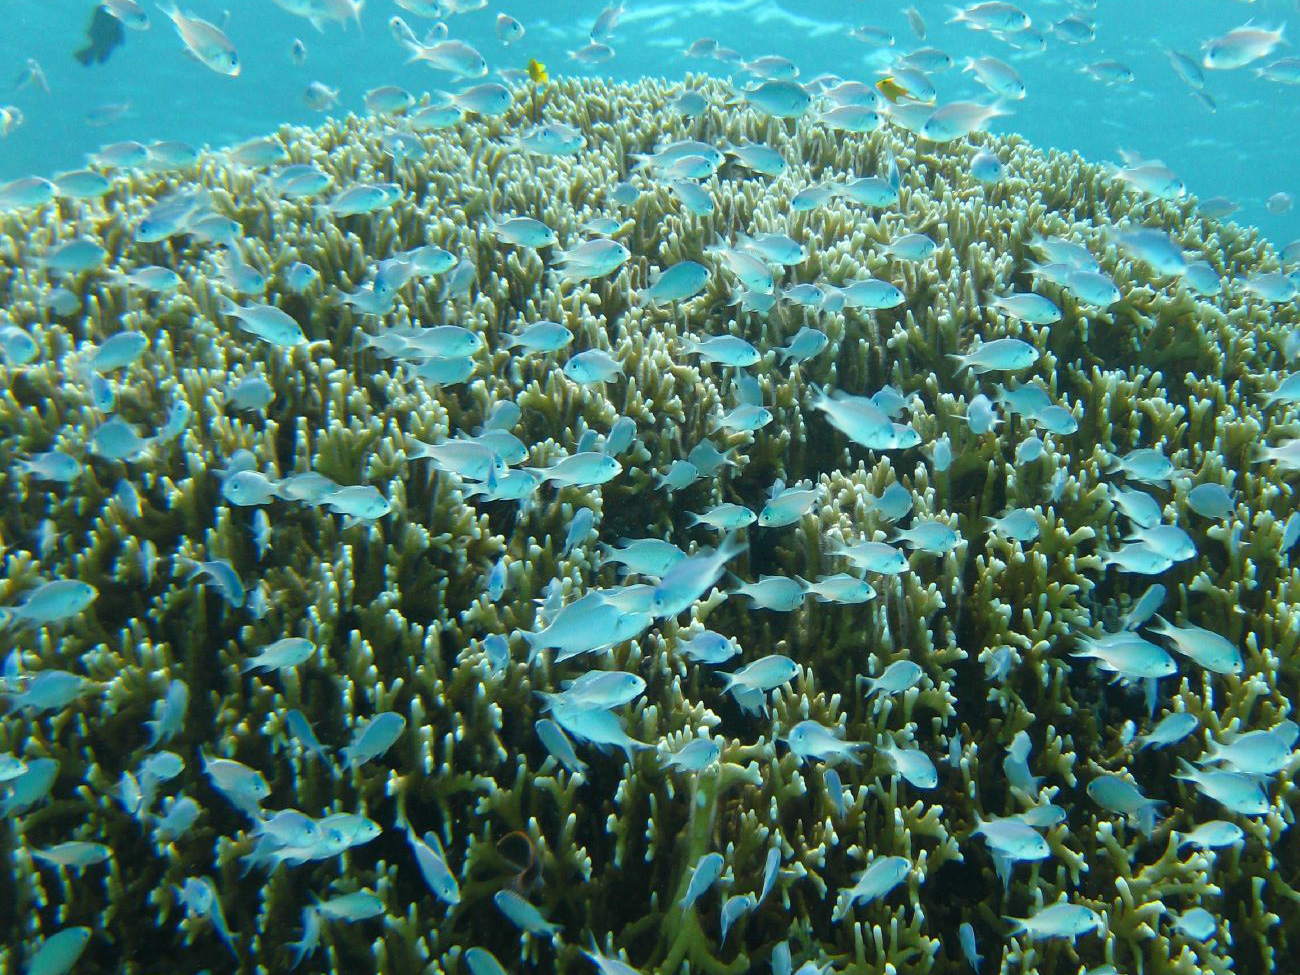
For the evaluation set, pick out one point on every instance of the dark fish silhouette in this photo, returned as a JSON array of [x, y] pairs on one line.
[[103, 34]]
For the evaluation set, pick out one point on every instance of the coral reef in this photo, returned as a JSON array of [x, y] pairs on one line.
[[399, 612]]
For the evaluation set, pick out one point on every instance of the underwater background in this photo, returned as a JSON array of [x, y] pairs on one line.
[[694, 487]]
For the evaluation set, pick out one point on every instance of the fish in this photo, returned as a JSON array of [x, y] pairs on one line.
[[52, 465], [787, 505], [778, 593], [1209, 649], [104, 34], [881, 877], [552, 139], [591, 259], [894, 679], [1211, 836], [1060, 920], [593, 53], [1197, 923], [585, 469], [1147, 465], [912, 764], [707, 871], [51, 602], [76, 854], [1169, 730], [283, 654], [204, 41], [933, 537], [1212, 501], [523, 231], [1109, 72], [812, 741], [32, 74], [198, 895], [1153, 247], [603, 689], [524, 915], [1152, 178], [243, 786], [959, 119], [779, 98], [1261, 753], [1117, 794], [321, 12], [992, 15], [692, 577], [708, 647], [1001, 355], [760, 676], [433, 864], [27, 783], [894, 91], [726, 350], [997, 76], [733, 908], [558, 744], [680, 282], [266, 322], [372, 738], [694, 756], [1013, 839], [1239, 47], [1242, 794], [47, 690], [320, 97], [59, 953]]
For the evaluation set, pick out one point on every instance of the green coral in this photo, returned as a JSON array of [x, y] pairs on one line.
[[398, 608]]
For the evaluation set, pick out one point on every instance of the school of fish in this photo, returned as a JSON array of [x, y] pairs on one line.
[[790, 528]]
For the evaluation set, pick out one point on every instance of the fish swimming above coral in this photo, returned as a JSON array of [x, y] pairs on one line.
[[560, 523]]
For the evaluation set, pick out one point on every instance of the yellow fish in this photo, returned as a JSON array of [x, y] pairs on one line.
[[537, 72], [892, 90]]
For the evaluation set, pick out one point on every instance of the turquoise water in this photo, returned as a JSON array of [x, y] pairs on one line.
[[607, 524], [1239, 152]]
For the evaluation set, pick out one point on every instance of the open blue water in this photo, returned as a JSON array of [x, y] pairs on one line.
[[1243, 151]]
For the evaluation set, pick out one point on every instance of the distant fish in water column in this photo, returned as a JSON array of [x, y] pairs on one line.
[[103, 35]]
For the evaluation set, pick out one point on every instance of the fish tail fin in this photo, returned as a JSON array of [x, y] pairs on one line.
[[891, 171], [732, 546], [417, 53], [958, 15], [719, 245], [1185, 770]]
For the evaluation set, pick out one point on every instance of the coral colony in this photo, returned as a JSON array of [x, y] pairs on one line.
[[542, 542]]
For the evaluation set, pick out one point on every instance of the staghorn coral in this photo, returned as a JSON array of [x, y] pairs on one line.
[[398, 609]]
